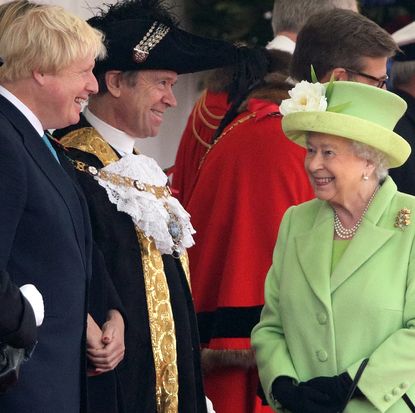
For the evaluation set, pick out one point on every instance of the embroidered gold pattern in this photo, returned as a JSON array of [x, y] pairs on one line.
[[90, 141], [403, 219], [184, 259], [161, 325], [162, 328]]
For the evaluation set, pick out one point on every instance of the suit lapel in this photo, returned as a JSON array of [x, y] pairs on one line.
[[316, 266], [46, 162]]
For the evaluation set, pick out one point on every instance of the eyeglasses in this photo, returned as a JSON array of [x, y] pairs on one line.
[[381, 80]]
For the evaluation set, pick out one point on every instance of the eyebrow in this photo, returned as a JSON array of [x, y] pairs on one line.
[[325, 146]]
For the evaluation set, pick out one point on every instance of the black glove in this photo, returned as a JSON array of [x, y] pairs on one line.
[[336, 387], [300, 398]]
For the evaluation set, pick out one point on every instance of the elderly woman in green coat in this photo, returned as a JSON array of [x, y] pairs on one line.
[[337, 332]]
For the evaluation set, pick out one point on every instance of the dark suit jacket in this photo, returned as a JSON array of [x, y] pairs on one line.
[[45, 240], [404, 176]]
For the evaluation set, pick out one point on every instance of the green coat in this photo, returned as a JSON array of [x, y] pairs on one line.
[[319, 324]]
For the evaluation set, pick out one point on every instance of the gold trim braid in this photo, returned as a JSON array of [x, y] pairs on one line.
[[162, 328], [90, 141], [184, 259]]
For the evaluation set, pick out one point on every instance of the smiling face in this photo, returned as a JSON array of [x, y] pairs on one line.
[[141, 104], [66, 91], [335, 172]]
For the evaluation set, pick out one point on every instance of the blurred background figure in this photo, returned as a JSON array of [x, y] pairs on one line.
[[225, 86], [403, 84], [288, 17], [365, 49]]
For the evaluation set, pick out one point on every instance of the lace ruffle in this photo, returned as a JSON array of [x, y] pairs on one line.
[[151, 214]]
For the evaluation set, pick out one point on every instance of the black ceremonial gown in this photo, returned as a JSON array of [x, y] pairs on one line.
[[116, 236]]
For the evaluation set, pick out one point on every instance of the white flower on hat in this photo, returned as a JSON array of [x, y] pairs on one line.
[[305, 97]]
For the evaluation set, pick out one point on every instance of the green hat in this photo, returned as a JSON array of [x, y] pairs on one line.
[[351, 110]]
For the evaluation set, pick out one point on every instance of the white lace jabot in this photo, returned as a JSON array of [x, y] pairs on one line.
[[162, 218]]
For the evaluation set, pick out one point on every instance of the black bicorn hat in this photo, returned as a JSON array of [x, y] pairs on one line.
[[143, 35]]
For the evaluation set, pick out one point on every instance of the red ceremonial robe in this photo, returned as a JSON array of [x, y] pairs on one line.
[[245, 184], [201, 125]]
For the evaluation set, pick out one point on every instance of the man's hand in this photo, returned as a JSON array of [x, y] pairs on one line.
[[107, 353]]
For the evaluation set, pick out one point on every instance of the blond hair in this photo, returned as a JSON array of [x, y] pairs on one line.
[[43, 37]]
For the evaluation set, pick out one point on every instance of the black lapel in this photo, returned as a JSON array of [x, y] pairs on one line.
[[50, 167]]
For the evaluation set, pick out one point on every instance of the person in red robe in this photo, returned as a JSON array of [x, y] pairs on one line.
[[205, 118]]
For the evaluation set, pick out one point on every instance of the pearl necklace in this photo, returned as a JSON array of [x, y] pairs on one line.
[[347, 233]]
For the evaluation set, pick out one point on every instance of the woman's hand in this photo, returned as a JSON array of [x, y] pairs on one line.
[[301, 398], [336, 387]]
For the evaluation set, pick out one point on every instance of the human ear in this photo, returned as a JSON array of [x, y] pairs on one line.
[[339, 73], [39, 77], [113, 82], [370, 168]]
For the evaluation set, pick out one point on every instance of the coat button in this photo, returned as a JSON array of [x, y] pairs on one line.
[[396, 391], [322, 318], [387, 398], [322, 355], [403, 385]]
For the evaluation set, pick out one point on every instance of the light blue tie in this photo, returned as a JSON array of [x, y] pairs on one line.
[[50, 147]]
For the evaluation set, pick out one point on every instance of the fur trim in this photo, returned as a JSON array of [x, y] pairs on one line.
[[216, 359], [274, 89]]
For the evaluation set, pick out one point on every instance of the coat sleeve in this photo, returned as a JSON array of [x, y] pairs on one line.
[[17, 321], [103, 295], [268, 340], [390, 371]]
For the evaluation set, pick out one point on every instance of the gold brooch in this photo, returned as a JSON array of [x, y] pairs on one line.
[[403, 219]]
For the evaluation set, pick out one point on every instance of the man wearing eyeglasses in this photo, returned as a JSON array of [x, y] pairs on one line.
[[345, 45]]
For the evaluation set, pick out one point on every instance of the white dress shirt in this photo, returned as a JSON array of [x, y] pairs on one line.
[[119, 140]]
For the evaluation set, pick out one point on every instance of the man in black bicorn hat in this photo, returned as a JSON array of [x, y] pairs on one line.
[[142, 231]]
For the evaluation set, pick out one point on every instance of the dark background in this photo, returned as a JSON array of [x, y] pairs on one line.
[[250, 20]]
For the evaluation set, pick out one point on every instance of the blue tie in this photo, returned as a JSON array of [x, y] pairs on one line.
[[50, 147]]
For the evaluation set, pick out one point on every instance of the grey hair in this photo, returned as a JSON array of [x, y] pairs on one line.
[[402, 72], [379, 159], [291, 15]]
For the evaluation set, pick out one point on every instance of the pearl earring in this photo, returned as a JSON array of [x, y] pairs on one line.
[[365, 178]]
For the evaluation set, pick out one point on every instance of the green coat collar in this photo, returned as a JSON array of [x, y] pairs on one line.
[[369, 238]]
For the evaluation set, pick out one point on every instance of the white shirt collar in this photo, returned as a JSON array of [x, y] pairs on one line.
[[119, 140], [282, 43], [31, 117]]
